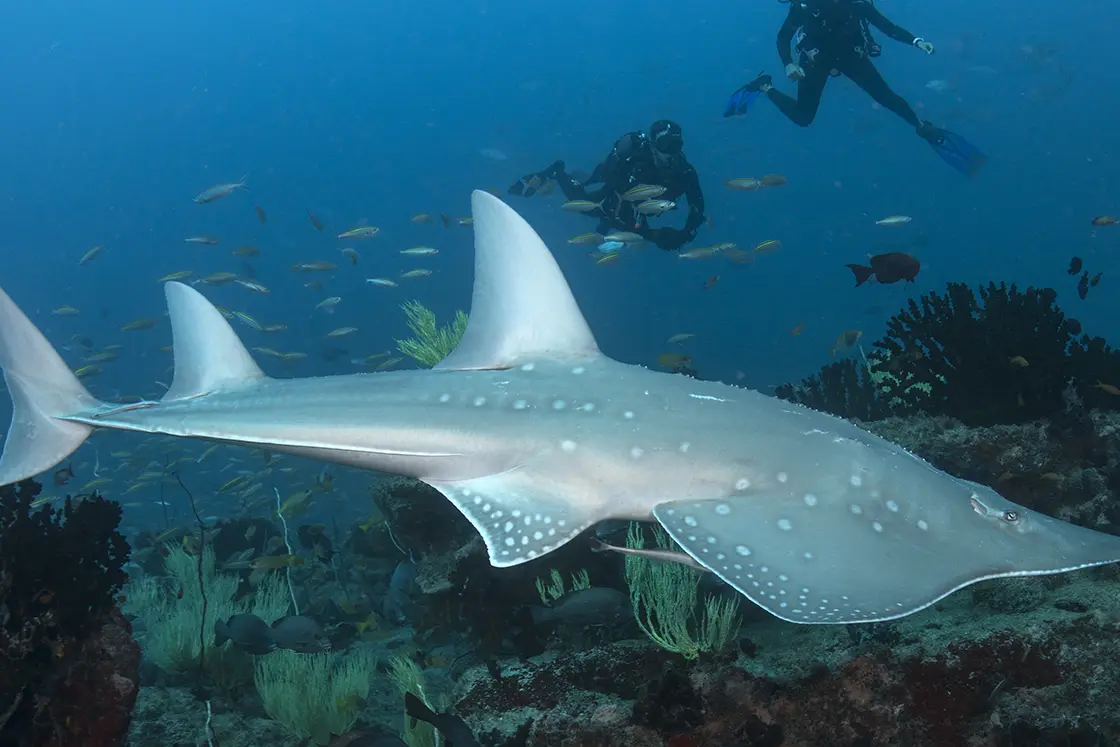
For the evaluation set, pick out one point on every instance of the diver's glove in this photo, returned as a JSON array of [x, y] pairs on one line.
[[528, 185], [795, 71], [923, 45]]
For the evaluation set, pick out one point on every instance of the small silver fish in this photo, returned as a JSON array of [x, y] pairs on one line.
[[655, 207], [219, 191]]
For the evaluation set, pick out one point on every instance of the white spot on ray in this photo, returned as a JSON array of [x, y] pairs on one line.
[[708, 397]]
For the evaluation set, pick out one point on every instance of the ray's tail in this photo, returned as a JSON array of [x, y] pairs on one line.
[[43, 389]]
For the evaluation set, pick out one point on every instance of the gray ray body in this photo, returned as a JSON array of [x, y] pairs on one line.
[[535, 435]]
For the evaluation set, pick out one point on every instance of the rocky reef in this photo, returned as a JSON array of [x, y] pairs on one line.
[[69, 667]]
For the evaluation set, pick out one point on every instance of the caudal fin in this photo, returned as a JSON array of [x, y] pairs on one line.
[[862, 273], [43, 390]]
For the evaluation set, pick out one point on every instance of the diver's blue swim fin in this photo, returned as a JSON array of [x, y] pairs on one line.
[[740, 101], [955, 150]]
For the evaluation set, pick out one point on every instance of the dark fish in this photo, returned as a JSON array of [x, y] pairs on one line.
[[710, 282], [260, 214], [1074, 266], [1073, 326], [888, 268], [446, 220], [314, 220], [455, 731], [62, 476], [1083, 286], [1095, 279], [597, 605], [300, 634], [248, 632]]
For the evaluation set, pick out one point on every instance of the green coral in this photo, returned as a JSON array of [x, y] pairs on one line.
[[551, 591], [315, 695], [171, 610], [431, 343], [664, 596], [408, 677]]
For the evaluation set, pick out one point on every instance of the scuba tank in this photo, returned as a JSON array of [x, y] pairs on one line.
[[870, 47]]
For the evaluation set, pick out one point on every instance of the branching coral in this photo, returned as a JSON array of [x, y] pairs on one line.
[[994, 355], [409, 678], [172, 611], [59, 573], [315, 695], [1001, 357], [551, 591], [431, 343], [664, 597], [845, 388]]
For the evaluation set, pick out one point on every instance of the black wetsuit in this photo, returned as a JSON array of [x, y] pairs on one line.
[[835, 39], [626, 167]]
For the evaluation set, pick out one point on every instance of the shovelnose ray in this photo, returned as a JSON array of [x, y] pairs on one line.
[[535, 435]]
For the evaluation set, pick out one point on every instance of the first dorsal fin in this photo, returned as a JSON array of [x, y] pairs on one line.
[[209, 356], [522, 307]]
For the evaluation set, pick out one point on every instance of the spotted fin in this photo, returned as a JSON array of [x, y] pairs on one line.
[[808, 559], [517, 516]]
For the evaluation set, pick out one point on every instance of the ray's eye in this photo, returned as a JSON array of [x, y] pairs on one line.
[[1011, 517]]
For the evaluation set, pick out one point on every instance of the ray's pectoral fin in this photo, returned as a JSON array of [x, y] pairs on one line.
[[811, 561], [518, 517]]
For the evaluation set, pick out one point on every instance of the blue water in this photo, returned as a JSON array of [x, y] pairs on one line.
[[118, 113]]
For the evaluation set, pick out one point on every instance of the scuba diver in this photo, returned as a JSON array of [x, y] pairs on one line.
[[655, 161], [833, 37]]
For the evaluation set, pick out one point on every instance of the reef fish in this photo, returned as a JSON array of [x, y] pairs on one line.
[[219, 191], [535, 435], [597, 605], [888, 268], [455, 731]]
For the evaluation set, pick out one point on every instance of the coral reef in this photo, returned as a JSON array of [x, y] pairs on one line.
[[845, 388], [996, 355], [69, 665]]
